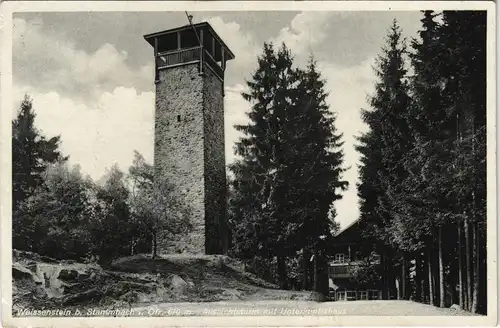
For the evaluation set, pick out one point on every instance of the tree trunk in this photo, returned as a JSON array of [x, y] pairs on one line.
[[464, 270], [425, 278], [321, 279], [468, 266], [482, 294], [429, 271], [390, 275], [384, 273], [310, 276], [305, 268], [460, 268], [403, 280], [154, 245], [282, 274], [475, 239], [476, 267], [315, 270], [405, 277], [385, 277], [418, 278], [398, 291], [441, 268]]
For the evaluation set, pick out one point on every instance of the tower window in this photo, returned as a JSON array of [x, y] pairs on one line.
[[178, 118]]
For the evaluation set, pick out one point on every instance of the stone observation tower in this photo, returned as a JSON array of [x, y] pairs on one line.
[[189, 130]]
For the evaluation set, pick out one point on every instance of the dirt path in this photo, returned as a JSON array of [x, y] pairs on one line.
[[291, 308]]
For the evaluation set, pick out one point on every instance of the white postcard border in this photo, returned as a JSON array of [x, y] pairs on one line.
[[8, 8]]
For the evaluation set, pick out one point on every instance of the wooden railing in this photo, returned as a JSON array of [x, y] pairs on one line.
[[213, 64], [340, 271], [189, 55], [345, 270], [352, 295], [172, 58]]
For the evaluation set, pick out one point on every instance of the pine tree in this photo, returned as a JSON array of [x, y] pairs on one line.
[[291, 166], [31, 153], [464, 36], [431, 127], [424, 205], [442, 172], [432, 85], [256, 184], [385, 145], [315, 172]]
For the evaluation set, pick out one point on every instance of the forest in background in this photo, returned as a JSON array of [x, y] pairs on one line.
[[422, 175], [423, 167]]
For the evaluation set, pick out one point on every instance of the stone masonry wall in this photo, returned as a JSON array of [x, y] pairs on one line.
[[215, 172], [179, 148]]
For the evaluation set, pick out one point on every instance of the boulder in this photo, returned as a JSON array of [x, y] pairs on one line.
[[212, 294], [455, 307], [112, 303], [129, 297], [67, 275], [89, 296], [178, 285], [161, 294], [231, 294], [143, 298], [123, 287], [20, 272]]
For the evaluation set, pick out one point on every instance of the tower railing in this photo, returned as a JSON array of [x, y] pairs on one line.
[[186, 56], [177, 57], [213, 64]]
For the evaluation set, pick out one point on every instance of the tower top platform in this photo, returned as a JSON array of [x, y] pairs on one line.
[[184, 37]]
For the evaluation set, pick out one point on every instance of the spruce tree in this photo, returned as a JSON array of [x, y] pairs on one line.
[[414, 226], [385, 145], [389, 138], [439, 189], [316, 171], [290, 169], [464, 36], [31, 153], [258, 148]]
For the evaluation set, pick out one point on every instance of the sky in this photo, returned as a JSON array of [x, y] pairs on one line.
[[91, 75]]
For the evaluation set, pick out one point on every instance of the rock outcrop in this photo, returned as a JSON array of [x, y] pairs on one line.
[[45, 283]]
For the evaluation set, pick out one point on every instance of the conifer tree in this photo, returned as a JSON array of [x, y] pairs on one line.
[[316, 172], [385, 145], [32, 153], [255, 228], [464, 36], [415, 226], [419, 183], [290, 170], [436, 193]]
